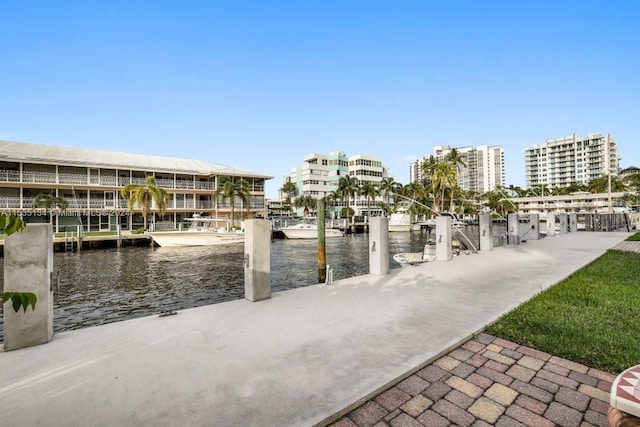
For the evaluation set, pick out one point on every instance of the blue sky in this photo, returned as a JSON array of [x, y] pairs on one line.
[[260, 84]]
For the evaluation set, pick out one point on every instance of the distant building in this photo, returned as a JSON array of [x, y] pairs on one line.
[[560, 162], [483, 167], [90, 182], [582, 201], [629, 172], [320, 174]]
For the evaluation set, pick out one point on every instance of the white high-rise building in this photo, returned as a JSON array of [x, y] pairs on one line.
[[560, 162], [320, 174], [483, 167]]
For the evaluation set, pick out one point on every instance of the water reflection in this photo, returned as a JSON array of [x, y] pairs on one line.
[[103, 286]]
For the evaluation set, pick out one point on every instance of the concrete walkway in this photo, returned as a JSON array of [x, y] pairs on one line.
[[305, 357]]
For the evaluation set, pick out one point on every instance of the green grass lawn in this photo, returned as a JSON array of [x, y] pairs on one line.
[[634, 238], [592, 317]]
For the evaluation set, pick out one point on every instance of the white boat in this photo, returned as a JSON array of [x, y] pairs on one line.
[[456, 222], [428, 254], [415, 258], [308, 231], [400, 220], [202, 231]]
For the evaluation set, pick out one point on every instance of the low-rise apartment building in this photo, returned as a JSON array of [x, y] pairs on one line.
[[90, 182], [574, 202]]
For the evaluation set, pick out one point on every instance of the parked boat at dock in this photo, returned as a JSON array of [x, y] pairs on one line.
[[400, 220], [308, 231], [414, 258], [202, 231]]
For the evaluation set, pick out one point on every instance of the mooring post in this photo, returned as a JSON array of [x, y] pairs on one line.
[[379, 245], [573, 222], [257, 259], [533, 233], [28, 267], [513, 229], [322, 249], [563, 225], [486, 231], [551, 224], [444, 248]]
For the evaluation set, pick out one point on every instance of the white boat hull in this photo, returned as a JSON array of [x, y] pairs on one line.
[[191, 238], [399, 227], [399, 221], [308, 232], [414, 258]]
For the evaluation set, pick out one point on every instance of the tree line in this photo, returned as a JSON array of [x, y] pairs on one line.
[[438, 191]]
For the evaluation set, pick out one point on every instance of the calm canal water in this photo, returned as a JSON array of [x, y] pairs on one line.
[[103, 286]]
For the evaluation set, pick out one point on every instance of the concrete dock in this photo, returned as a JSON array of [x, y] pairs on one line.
[[301, 358]]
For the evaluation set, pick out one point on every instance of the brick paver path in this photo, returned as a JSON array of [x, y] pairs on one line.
[[490, 381]]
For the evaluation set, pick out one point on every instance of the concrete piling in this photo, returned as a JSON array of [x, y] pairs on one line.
[[513, 229], [563, 223], [379, 245], [444, 249], [28, 267], [486, 232], [551, 224], [257, 259]]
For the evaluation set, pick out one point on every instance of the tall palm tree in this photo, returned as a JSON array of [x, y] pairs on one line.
[[445, 175], [388, 187], [456, 159], [144, 195], [231, 190], [290, 190], [369, 190], [348, 187], [49, 202]]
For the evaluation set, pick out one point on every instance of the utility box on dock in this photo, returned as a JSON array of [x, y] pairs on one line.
[[28, 267]]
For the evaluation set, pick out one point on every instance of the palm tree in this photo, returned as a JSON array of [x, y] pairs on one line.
[[307, 202], [369, 190], [49, 202], [333, 198], [230, 190], [387, 187], [348, 187], [455, 158], [445, 175], [144, 195], [290, 190], [601, 184]]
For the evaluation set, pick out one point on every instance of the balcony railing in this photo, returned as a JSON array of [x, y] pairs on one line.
[[120, 204], [111, 181]]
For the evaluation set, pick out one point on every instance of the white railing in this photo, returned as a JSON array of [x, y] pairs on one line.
[[13, 202], [10, 176], [39, 177], [121, 181], [72, 178]]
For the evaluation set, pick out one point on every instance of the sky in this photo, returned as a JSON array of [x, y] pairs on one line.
[[258, 85]]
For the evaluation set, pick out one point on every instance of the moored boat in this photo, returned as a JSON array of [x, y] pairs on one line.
[[308, 231], [414, 258], [202, 231]]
